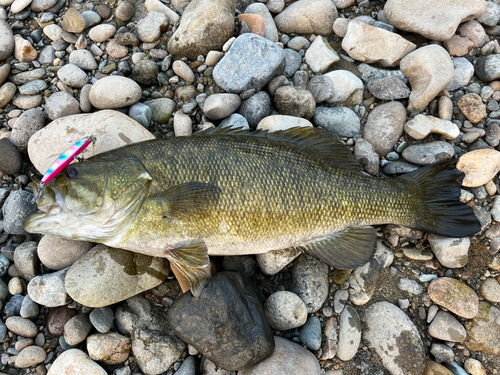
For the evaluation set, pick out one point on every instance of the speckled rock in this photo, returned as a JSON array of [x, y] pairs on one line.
[[490, 290], [11, 160], [295, 101], [205, 25], [21, 326], [310, 282], [150, 28], [49, 290], [285, 310], [72, 75], [16, 209], [26, 125], [110, 348], [471, 105], [483, 332], [365, 154], [61, 104], [30, 356], [454, 296], [429, 70], [479, 166], [429, 153], [124, 273], [388, 88], [73, 22]]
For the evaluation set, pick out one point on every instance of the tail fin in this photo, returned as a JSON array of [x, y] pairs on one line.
[[441, 211]]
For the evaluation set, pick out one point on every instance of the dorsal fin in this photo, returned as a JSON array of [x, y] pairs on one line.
[[318, 143]]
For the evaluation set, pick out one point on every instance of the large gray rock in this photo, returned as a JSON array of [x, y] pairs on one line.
[[105, 275], [251, 62], [205, 25]]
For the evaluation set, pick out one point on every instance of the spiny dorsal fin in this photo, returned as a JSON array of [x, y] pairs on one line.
[[189, 200], [317, 142], [348, 249]]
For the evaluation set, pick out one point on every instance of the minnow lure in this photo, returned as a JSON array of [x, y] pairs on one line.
[[62, 161]]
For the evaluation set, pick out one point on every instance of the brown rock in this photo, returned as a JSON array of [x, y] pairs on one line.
[[23, 50], [57, 318], [483, 332], [454, 296], [4, 73], [295, 101], [474, 31], [115, 50], [103, 11], [11, 161], [479, 166], [433, 368], [110, 348], [458, 45], [255, 23], [124, 12], [471, 105], [73, 22]]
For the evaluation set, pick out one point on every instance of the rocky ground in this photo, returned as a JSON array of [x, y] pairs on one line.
[[404, 84]]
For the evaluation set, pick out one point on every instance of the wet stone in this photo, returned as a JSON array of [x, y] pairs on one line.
[[235, 346], [310, 282], [455, 296]]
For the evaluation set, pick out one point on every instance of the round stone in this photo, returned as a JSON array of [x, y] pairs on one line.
[[490, 290], [11, 161], [454, 296], [110, 348], [30, 356], [219, 106], [295, 101], [285, 310], [471, 105], [114, 92], [21, 326], [74, 361], [57, 253]]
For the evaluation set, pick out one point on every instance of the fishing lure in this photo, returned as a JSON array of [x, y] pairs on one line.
[[62, 161]]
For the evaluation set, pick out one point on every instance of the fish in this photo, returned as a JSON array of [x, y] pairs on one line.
[[235, 192]]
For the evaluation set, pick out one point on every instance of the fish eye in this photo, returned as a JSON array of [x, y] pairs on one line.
[[71, 172]]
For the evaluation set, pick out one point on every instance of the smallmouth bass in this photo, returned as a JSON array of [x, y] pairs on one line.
[[231, 192]]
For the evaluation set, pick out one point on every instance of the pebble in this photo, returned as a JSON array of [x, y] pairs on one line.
[[115, 50], [33, 87], [483, 330], [114, 92], [349, 334], [458, 45], [141, 113], [76, 329], [30, 356], [219, 106], [23, 50], [72, 75], [215, 339], [73, 22], [272, 262], [473, 31], [110, 348], [435, 23], [445, 108], [16, 209], [321, 88], [442, 353], [339, 120], [347, 88], [490, 290], [433, 368], [288, 358], [445, 327], [6, 40], [102, 318], [479, 166], [150, 28], [454, 296], [451, 252], [124, 11], [320, 56], [235, 121], [182, 70], [49, 289], [205, 25], [307, 17], [471, 105], [410, 286], [487, 68], [285, 310], [234, 74], [75, 361], [68, 251], [339, 300], [421, 126], [365, 154], [388, 88], [26, 260], [270, 31], [15, 286], [401, 334], [83, 59], [13, 307], [371, 44], [429, 70], [183, 125], [491, 16], [363, 281], [158, 6], [293, 101], [254, 22], [102, 33], [91, 18], [53, 32], [61, 104], [103, 265], [7, 92], [310, 282], [310, 333], [57, 318], [145, 72], [384, 126], [331, 343], [27, 101], [474, 367], [20, 326], [26, 125], [463, 71], [29, 309], [428, 153], [11, 160], [162, 109]]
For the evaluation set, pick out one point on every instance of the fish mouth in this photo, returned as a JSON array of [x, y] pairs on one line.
[[49, 207]]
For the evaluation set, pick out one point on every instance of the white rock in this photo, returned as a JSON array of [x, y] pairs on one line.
[[429, 70], [149, 28], [30, 356], [219, 106], [320, 56], [347, 87], [75, 362], [49, 290], [421, 126], [479, 166], [83, 59], [158, 6], [183, 70], [23, 50], [371, 44], [213, 57], [57, 253], [307, 17], [183, 126], [114, 92], [495, 210], [451, 252], [19, 5], [73, 76], [101, 33], [281, 122], [113, 129], [53, 31]]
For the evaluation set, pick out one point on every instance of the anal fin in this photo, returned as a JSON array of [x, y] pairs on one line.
[[193, 263], [348, 249]]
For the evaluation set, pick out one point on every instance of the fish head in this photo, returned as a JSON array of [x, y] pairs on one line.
[[91, 200]]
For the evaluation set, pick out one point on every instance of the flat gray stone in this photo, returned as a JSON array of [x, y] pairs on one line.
[[339, 120], [429, 153]]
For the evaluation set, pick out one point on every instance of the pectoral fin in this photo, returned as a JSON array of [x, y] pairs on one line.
[[185, 201], [348, 249], [193, 263]]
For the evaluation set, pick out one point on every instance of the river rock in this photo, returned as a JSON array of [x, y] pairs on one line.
[[431, 20], [26, 125], [73, 22], [421, 126], [11, 160], [124, 273], [161, 109], [272, 262], [281, 122], [16, 209], [451, 252], [20, 326], [429, 153], [288, 358], [150, 28], [310, 333], [270, 30], [49, 290], [462, 73], [388, 88], [110, 348], [363, 281], [347, 88], [349, 334], [61, 104], [117, 130], [454, 296], [102, 33], [41, 5], [23, 50], [30, 356], [310, 282], [219, 106], [371, 44], [216, 322], [384, 126], [114, 92], [83, 59], [57, 253], [366, 156], [445, 327], [487, 68], [205, 25], [429, 70], [6, 40], [74, 361], [490, 290], [320, 56], [479, 166], [398, 344], [72, 75], [294, 101], [285, 310], [483, 331], [26, 260], [251, 62], [7, 92], [307, 17], [339, 120], [471, 105]]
